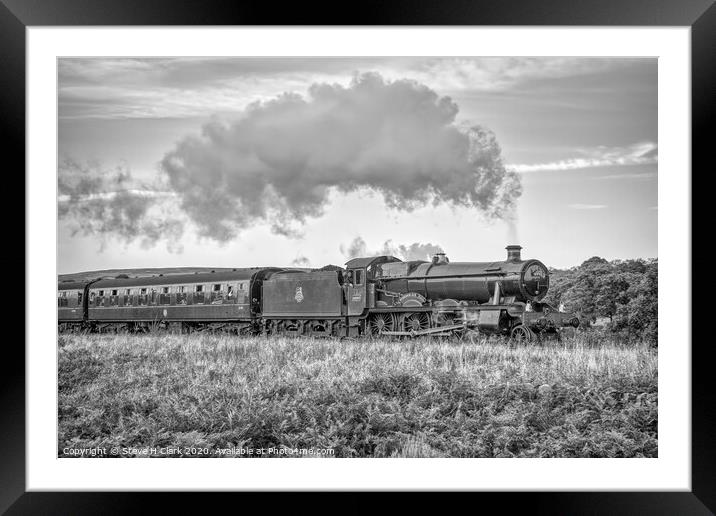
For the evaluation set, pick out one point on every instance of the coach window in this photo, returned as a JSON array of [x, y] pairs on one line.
[[199, 294], [230, 291], [79, 298], [217, 287]]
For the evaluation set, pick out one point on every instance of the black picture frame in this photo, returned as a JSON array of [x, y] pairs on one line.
[[17, 15]]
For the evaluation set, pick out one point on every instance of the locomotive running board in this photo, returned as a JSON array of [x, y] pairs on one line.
[[430, 331]]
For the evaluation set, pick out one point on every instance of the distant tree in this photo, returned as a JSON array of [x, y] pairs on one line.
[[580, 297], [634, 266], [625, 291], [594, 261], [639, 316], [610, 291]]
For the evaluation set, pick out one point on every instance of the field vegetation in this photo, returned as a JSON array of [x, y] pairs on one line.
[[357, 398]]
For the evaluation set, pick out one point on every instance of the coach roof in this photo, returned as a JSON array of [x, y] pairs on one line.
[[72, 285], [178, 279]]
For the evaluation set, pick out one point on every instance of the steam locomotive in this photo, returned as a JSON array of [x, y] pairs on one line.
[[372, 296]]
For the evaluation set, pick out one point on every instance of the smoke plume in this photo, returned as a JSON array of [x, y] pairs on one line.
[[278, 163], [110, 203], [301, 261], [415, 251]]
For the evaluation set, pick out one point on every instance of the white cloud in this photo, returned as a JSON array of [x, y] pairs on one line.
[[190, 87], [501, 73], [642, 153], [637, 175]]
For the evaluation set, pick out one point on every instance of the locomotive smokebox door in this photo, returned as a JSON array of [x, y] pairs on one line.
[[356, 291]]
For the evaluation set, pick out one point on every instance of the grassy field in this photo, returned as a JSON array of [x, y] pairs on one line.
[[171, 395]]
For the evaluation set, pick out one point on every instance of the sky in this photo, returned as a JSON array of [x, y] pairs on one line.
[[237, 162]]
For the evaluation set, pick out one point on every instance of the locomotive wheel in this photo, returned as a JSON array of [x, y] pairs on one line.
[[446, 319], [416, 321], [380, 322], [522, 333]]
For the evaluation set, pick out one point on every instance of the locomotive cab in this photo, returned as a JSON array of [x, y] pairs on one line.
[[360, 284], [355, 284]]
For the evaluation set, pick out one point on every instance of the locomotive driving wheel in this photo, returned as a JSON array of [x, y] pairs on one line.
[[416, 321], [380, 322], [446, 318], [522, 333]]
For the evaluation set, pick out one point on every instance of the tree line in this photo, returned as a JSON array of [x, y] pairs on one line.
[[621, 295]]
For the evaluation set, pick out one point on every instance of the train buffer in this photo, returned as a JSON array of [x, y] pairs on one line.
[[438, 332]]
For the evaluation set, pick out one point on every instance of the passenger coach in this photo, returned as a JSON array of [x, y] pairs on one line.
[[218, 300]]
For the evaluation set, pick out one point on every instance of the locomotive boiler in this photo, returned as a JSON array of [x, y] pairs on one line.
[[479, 282]]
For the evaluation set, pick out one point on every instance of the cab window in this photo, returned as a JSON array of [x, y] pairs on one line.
[[359, 277]]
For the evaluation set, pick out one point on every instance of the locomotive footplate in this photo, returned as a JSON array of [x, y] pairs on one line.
[[441, 330]]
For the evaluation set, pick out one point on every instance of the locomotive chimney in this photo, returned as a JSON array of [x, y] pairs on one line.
[[513, 253]]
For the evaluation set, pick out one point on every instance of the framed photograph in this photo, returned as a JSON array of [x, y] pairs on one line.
[[439, 249]]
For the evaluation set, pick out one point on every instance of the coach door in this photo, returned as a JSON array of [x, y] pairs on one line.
[[355, 284]]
